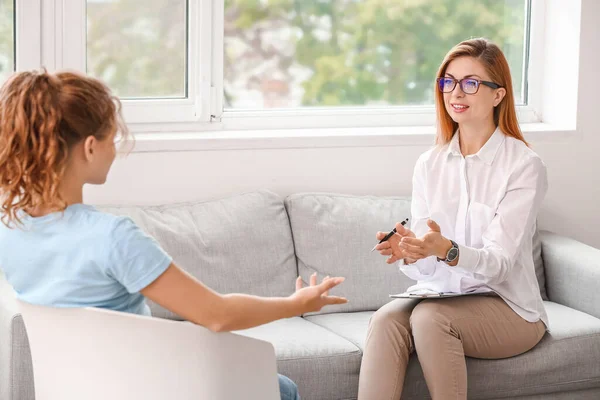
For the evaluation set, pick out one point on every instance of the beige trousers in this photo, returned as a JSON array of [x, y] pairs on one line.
[[442, 332]]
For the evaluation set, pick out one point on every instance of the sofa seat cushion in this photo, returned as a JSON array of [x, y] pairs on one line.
[[350, 326], [566, 359], [239, 244], [324, 365]]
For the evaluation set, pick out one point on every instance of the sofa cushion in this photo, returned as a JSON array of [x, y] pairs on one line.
[[566, 359], [237, 244], [334, 235], [323, 365], [350, 326]]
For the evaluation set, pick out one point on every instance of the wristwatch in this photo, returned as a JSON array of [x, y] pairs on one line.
[[452, 254]]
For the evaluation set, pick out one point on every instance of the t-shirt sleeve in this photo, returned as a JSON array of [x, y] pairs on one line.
[[135, 258]]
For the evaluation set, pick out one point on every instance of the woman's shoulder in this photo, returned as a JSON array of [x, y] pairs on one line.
[[432, 156], [520, 153], [434, 152], [515, 145]]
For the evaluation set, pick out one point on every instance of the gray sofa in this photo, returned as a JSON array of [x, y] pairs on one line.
[[257, 243]]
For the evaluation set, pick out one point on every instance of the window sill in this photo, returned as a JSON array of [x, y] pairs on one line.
[[321, 138]]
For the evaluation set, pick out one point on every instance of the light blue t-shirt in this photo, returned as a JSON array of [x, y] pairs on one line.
[[81, 258]]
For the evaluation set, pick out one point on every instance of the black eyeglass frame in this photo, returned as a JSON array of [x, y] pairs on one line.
[[489, 84]]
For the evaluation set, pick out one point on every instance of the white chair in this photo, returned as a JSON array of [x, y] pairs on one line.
[[94, 354]]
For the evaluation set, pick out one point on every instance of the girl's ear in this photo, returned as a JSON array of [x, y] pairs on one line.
[[90, 147]]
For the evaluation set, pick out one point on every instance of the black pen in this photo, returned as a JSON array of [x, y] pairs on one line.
[[389, 235]]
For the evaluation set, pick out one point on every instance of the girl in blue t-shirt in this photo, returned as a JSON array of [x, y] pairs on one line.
[[57, 133]]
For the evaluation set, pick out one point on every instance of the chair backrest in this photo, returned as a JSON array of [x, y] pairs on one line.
[[94, 354]]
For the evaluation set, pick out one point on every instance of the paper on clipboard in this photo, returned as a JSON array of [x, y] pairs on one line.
[[430, 294]]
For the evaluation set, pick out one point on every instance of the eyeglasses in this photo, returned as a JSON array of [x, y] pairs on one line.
[[467, 85]]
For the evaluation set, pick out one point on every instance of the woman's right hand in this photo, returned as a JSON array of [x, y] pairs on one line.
[[314, 297], [391, 246]]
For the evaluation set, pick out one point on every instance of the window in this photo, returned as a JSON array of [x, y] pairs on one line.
[[290, 54], [241, 64], [139, 47], [7, 38]]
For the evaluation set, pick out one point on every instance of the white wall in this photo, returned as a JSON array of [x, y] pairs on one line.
[[570, 208]]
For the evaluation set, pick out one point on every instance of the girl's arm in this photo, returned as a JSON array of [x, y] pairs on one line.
[[181, 293]]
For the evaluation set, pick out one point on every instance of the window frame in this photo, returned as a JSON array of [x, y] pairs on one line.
[[27, 31], [65, 48], [56, 38], [363, 116]]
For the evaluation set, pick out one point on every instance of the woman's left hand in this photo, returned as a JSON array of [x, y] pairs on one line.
[[430, 244]]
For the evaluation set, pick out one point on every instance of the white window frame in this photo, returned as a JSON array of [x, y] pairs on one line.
[[52, 33], [535, 70], [64, 47], [340, 117], [27, 34]]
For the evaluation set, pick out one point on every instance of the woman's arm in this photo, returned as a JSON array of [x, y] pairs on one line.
[[189, 298], [418, 268], [414, 267], [513, 222]]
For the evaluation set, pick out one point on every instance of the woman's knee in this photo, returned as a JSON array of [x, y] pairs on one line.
[[288, 389], [392, 314], [429, 316]]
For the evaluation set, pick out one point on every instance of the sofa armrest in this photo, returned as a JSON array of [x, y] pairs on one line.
[[8, 302], [8, 311], [16, 374], [572, 273]]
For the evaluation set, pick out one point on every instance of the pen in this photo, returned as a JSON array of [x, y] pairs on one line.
[[389, 235]]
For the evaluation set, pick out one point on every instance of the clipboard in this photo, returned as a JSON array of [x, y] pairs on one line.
[[434, 295]]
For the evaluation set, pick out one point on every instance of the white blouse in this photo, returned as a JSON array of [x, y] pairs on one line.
[[488, 204]]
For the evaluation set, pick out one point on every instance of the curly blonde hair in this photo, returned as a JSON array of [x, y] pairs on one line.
[[42, 115]]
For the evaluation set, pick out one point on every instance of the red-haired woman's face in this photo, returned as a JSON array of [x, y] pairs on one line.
[[475, 104]]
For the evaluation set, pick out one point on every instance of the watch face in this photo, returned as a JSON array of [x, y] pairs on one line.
[[452, 254]]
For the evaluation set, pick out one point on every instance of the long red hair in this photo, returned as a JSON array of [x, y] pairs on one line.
[[494, 62]]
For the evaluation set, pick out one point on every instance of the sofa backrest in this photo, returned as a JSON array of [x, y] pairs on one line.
[[538, 263], [333, 235], [238, 244], [248, 243]]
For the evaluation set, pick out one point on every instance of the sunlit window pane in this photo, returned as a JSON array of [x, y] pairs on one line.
[[285, 53], [138, 47], [7, 38]]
